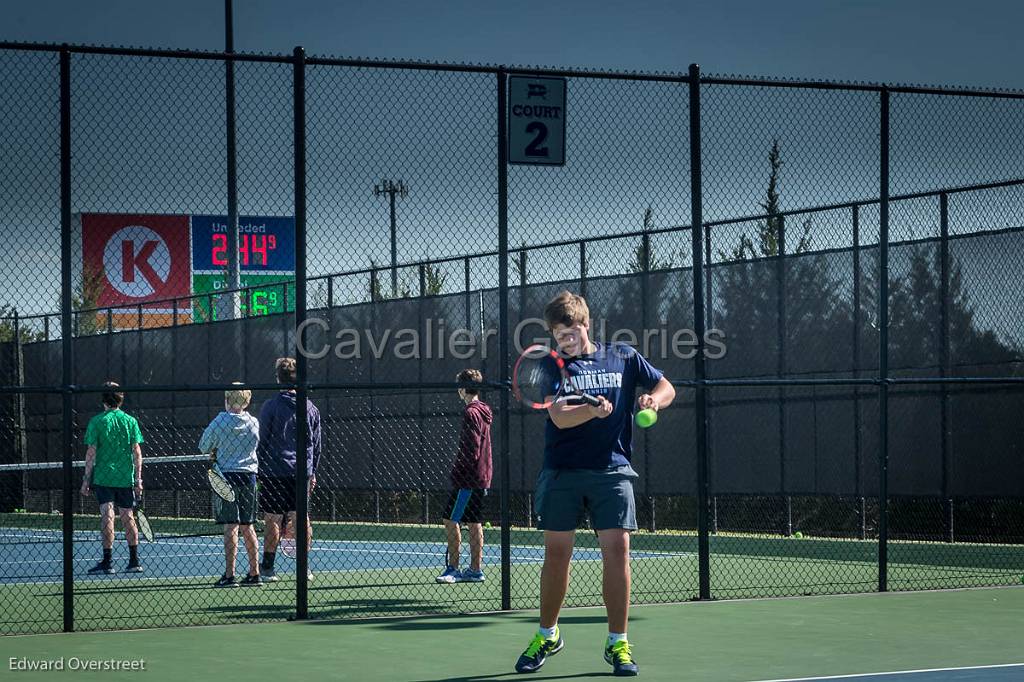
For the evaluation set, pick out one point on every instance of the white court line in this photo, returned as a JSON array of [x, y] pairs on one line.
[[893, 672], [215, 542]]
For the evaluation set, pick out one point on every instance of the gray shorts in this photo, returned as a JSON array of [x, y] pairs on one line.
[[243, 510], [564, 495]]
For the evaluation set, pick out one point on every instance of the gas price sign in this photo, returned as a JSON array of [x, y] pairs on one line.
[[266, 259], [264, 295], [265, 244]]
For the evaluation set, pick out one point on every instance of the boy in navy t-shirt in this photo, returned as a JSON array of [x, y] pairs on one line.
[[586, 467]]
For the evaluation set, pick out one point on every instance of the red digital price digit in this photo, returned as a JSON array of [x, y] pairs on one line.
[[271, 242], [258, 245], [220, 249]]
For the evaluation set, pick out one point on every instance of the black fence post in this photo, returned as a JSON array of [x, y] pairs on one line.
[[945, 368], [524, 279], [883, 346], [645, 322], [709, 317], [583, 269], [780, 331], [371, 372], [858, 464], [700, 397], [466, 288], [421, 463], [20, 418], [67, 345], [302, 436], [503, 347]]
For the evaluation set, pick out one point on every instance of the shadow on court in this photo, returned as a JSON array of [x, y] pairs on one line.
[[512, 676], [435, 622]]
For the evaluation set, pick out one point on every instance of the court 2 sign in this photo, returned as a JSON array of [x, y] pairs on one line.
[[536, 121]]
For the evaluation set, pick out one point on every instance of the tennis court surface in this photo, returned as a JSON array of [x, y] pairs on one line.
[[381, 570], [954, 636]]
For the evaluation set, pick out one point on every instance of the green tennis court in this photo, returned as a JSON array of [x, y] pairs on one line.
[[723, 641]]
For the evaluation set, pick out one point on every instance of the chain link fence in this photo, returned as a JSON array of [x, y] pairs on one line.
[[177, 235]]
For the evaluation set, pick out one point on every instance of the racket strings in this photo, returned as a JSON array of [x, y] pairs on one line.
[[220, 485]]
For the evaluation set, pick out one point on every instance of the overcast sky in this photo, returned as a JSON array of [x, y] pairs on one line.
[[157, 146], [909, 41]]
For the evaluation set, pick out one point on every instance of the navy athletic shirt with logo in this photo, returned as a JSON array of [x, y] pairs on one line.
[[614, 371]]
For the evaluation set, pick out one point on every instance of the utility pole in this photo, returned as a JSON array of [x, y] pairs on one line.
[[234, 275], [392, 189]]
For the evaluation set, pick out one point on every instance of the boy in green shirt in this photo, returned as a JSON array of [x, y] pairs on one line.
[[113, 470]]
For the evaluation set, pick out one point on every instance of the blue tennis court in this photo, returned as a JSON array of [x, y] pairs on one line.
[[34, 556]]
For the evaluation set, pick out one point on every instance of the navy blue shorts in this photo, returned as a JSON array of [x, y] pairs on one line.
[[277, 495], [123, 498]]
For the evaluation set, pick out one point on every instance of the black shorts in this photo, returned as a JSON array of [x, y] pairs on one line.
[[243, 510], [123, 498], [465, 505], [277, 495]]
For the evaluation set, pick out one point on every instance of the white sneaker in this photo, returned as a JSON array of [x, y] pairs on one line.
[[451, 575]]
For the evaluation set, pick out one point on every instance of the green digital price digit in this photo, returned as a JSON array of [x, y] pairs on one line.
[[259, 306]]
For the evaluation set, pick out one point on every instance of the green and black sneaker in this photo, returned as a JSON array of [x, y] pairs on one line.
[[538, 651], [620, 657]]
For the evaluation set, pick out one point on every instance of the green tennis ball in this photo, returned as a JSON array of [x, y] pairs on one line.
[[798, 535], [487, 524], [646, 418]]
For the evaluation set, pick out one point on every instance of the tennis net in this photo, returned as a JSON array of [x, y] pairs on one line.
[[177, 499]]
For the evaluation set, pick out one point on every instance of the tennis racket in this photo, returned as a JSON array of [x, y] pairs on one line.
[[539, 379], [218, 483], [287, 544], [142, 522]]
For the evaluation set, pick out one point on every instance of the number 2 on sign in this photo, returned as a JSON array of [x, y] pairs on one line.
[[540, 135]]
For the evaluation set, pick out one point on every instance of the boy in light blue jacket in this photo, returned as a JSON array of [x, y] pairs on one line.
[[234, 436]]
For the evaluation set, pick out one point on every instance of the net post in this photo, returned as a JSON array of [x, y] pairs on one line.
[[302, 436], [700, 398]]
